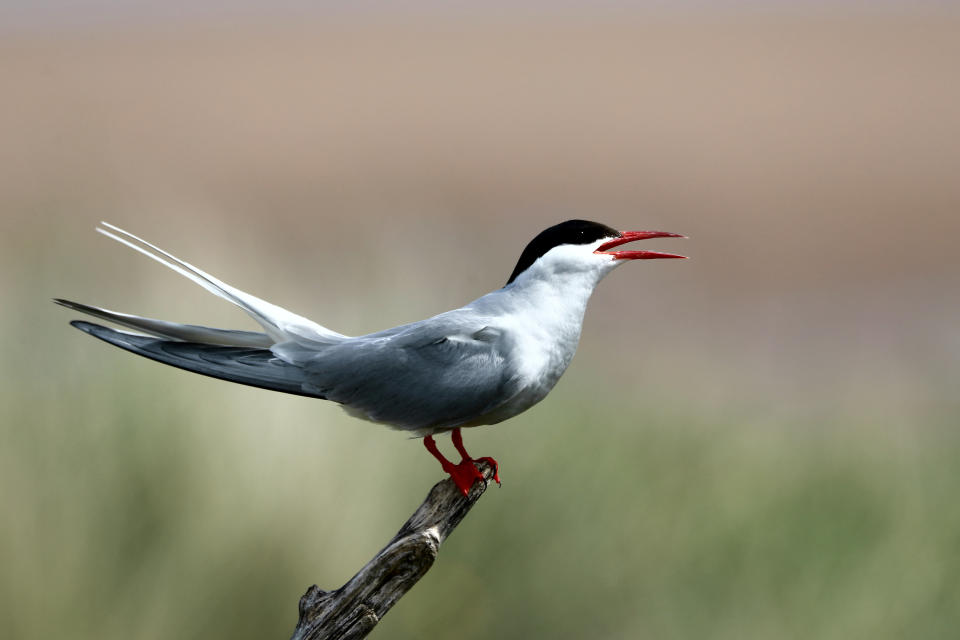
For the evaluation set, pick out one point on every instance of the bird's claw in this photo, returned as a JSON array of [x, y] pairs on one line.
[[496, 467]]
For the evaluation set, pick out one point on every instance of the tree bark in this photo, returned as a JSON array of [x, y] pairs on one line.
[[353, 610]]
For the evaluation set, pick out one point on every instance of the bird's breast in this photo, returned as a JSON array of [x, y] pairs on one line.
[[540, 355]]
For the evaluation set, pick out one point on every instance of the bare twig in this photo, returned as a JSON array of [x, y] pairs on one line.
[[354, 609]]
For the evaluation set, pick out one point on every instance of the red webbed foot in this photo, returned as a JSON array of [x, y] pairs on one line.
[[466, 472], [464, 475], [457, 438]]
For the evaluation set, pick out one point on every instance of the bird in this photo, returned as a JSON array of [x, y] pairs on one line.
[[480, 364]]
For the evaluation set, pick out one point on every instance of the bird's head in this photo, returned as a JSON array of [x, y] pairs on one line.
[[581, 246]]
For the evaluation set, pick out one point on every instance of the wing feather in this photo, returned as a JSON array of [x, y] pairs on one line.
[[417, 380], [174, 330], [244, 365]]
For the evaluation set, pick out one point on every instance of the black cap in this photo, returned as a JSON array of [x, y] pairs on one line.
[[569, 232]]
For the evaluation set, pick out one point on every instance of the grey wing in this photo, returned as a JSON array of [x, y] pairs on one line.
[[245, 365], [422, 379]]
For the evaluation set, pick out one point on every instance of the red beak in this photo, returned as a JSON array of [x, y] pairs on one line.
[[630, 236]]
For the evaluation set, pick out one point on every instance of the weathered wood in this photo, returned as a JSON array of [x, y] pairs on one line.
[[353, 610]]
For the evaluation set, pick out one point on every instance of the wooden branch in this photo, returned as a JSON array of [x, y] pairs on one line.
[[353, 610]]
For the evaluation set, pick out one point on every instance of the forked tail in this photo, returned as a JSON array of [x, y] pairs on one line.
[[279, 324]]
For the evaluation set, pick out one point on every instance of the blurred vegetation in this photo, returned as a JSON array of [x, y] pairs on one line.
[[761, 442], [145, 502], [132, 512]]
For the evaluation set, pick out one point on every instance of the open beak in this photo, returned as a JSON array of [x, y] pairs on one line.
[[630, 236]]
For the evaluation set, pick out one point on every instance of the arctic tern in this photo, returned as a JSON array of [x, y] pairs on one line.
[[480, 364]]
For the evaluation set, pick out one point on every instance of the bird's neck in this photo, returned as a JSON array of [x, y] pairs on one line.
[[555, 300], [542, 313]]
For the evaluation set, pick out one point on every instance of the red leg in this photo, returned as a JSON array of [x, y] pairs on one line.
[[457, 438]]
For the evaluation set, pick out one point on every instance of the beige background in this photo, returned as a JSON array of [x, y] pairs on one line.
[[758, 442]]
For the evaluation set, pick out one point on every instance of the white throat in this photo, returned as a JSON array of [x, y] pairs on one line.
[[541, 314]]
